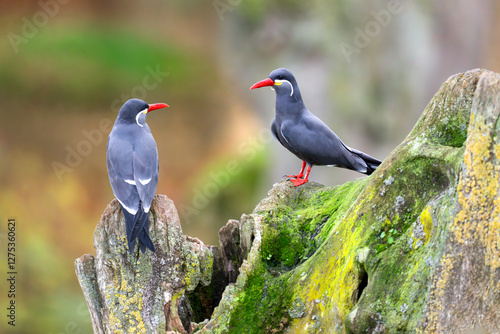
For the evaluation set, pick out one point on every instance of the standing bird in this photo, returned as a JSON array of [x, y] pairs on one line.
[[132, 160], [305, 135]]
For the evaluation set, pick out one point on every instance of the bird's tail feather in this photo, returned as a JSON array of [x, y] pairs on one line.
[[371, 162], [145, 241], [142, 231], [141, 218], [137, 227], [130, 221]]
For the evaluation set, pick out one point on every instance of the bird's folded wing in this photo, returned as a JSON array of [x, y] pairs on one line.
[[145, 164], [121, 176], [274, 131], [316, 143]]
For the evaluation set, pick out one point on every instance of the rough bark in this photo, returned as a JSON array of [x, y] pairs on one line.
[[151, 292], [412, 248]]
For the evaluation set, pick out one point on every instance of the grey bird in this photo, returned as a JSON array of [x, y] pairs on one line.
[[305, 135], [132, 161]]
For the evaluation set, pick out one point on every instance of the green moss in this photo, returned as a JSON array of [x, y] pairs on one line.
[[294, 230], [376, 215], [445, 121], [397, 204], [263, 305], [400, 208], [191, 268]]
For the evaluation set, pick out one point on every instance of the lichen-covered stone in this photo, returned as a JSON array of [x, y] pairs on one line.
[[412, 248]]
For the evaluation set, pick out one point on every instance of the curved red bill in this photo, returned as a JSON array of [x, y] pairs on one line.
[[157, 106], [263, 83]]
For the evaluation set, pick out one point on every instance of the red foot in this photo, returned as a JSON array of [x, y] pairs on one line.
[[298, 182], [301, 173]]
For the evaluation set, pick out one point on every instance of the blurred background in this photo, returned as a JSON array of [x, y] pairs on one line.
[[367, 68]]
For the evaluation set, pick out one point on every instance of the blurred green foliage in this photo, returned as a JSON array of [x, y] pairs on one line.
[[86, 65], [223, 190]]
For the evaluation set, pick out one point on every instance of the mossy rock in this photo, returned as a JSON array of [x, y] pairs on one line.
[[412, 248]]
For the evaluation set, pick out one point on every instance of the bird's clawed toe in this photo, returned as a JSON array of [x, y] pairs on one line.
[[298, 182]]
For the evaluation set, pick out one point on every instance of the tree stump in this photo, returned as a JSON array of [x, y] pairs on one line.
[[151, 292]]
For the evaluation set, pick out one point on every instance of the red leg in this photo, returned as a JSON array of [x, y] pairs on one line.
[[298, 182], [301, 172]]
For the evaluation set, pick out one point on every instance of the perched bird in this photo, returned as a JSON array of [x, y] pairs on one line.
[[132, 160], [305, 135]]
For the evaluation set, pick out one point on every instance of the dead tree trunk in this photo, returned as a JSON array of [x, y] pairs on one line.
[[151, 292]]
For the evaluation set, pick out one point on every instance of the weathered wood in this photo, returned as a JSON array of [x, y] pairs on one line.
[[144, 293]]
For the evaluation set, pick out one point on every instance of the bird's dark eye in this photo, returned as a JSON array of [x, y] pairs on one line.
[[280, 77]]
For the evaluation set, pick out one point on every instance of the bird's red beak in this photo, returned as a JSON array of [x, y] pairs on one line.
[[157, 106], [263, 83]]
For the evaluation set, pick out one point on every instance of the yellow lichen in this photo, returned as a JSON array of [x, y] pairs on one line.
[[128, 304], [426, 221], [478, 193], [342, 280], [478, 222]]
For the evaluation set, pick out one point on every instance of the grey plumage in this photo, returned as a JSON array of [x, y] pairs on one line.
[[305, 135], [132, 162]]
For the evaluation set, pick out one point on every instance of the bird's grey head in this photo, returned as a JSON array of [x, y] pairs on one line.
[[135, 111], [283, 82]]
